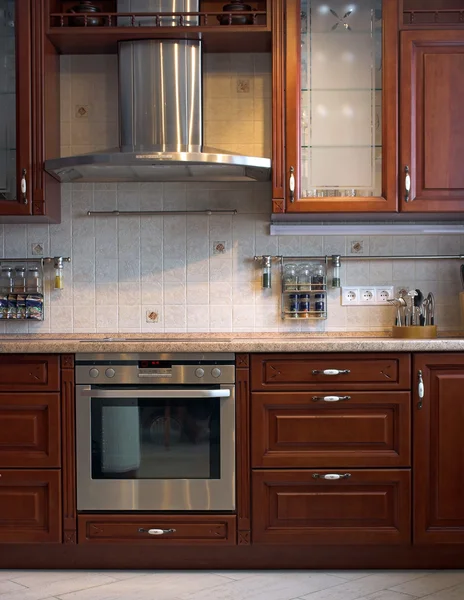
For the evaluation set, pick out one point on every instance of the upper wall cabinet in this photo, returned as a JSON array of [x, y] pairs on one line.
[[431, 125], [27, 66], [341, 106]]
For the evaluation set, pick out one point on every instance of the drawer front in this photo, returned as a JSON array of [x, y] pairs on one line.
[[29, 373], [134, 529], [294, 507], [360, 429], [30, 507], [29, 430], [306, 372]]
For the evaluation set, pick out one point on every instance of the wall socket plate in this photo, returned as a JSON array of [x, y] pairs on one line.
[[366, 295]]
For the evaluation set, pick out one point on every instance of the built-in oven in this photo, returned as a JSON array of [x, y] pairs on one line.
[[155, 432]]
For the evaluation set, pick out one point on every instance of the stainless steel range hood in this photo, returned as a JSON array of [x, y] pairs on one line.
[[161, 125]]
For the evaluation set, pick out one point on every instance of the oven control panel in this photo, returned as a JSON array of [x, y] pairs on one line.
[[166, 370]]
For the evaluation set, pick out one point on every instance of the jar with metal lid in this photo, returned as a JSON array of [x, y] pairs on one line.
[[319, 302], [304, 277], [290, 277], [304, 305], [20, 280], [293, 304], [6, 280], [33, 283], [318, 278]]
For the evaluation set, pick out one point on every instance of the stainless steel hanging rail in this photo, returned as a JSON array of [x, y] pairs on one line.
[[157, 213], [331, 257]]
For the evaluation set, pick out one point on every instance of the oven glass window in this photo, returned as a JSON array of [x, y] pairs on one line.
[[155, 439]]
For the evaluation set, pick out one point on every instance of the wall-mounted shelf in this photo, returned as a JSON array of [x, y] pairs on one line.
[[304, 289], [118, 26]]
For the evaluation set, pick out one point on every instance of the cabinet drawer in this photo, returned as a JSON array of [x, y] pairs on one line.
[[29, 373], [300, 429], [188, 530], [29, 430], [30, 507], [305, 371], [369, 507]]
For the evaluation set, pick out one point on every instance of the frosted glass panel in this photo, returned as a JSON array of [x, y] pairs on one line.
[[341, 98], [7, 101]]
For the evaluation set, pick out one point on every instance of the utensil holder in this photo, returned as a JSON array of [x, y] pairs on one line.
[[415, 332]]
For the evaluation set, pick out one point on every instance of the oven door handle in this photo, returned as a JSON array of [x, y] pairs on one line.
[[189, 393]]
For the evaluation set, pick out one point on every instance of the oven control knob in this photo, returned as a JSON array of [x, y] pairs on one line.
[[216, 372], [199, 372], [110, 372], [94, 373]]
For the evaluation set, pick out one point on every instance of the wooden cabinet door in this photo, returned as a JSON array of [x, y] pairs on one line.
[[15, 108], [344, 429], [30, 506], [302, 507], [432, 126], [30, 430], [29, 373], [438, 449], [341, 108]]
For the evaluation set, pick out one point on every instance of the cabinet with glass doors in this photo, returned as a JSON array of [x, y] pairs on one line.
[[341, 63]]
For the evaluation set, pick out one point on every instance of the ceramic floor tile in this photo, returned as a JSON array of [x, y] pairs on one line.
[[387, 595], [166, 584], [352, 590], [285, 585], [9, 574], [455, 593], [40, 590], [430, 583], [10, 587]]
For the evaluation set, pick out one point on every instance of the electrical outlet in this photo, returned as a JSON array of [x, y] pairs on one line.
[[350, 295], [367, 295], [383, 294]]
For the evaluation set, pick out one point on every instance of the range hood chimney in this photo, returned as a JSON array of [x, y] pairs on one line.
[[161, 124]]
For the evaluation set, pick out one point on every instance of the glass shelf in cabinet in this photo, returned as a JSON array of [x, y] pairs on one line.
[[338, 90], [350, 146]]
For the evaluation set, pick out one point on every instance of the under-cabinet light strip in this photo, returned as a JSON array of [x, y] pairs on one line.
[[373, 229]]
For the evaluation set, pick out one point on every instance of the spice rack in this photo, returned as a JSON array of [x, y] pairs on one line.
[[304, 289], [22, 287]]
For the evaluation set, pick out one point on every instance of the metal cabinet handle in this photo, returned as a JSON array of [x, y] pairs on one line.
[[24, 186], [330, 398], [332, 476], [291, 184], [420, 389], [156, 531], [332, 372], [407, 184]]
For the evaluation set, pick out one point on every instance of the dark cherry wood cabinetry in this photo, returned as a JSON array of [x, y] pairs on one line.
[[438, 450], [29, 101], [30, 449], [301, 507], [432, 127]]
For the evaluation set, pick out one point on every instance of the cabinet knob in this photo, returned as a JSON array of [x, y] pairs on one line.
[[157, 531], [407, 184], [291, 184], [24, 186], [330, 398]]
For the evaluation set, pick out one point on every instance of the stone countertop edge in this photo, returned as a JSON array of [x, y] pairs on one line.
[[237, 345]]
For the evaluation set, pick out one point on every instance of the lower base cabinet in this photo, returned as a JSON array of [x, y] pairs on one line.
[[307, 507], [170, 530], [30, 506]]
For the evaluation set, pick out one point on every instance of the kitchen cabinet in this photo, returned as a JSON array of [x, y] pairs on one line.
[[29, 114], [438, 449], [432, 127], [341, 95], [326, 507]]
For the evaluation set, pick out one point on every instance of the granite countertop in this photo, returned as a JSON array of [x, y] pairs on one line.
[[227, 342]]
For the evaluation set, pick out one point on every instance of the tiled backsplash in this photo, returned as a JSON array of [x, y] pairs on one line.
[[123, 267]]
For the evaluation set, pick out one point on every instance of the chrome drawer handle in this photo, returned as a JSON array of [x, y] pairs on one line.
[[332, 372], [157, 531], [420, 390], [332, 476], [330, 398], [407, 184]]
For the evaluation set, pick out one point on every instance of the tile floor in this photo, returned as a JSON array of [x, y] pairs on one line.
[[231, 585]]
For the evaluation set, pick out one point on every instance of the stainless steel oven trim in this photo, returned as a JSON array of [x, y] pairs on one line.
[[154, 393], [153, 494]]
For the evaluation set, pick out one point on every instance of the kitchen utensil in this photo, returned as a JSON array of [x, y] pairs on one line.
[[431, 311], [398, 304], [85, 6], [424, 311], [410, 308], [235, 6], [462, 276], [418, 317]]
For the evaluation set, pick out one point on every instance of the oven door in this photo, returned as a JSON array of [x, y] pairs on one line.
[[155, 448]]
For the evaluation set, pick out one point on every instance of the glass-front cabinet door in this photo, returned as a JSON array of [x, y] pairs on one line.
[[341, 105], [15, 106]]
